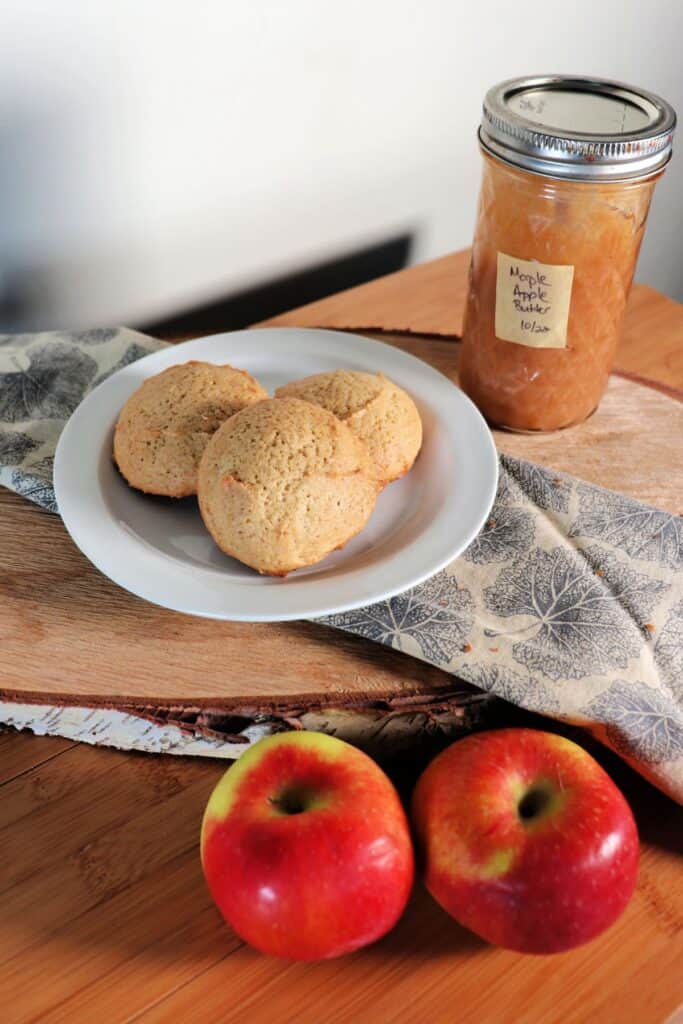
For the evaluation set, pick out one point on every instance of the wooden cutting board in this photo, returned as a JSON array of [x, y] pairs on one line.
[[70, 635]]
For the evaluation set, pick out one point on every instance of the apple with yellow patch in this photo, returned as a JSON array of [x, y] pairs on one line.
[[525, 839], [306, 847]]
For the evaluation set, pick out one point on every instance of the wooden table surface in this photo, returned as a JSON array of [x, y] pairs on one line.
[[105, 917]]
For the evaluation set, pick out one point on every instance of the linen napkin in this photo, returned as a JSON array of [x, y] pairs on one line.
[[568, 603]]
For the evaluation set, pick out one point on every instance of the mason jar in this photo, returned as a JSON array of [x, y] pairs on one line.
[[569, 168]]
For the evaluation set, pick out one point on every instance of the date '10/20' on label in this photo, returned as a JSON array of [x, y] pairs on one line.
[[533, 327], [532, 302]]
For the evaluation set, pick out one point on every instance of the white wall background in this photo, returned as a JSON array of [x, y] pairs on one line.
[[155, 154]]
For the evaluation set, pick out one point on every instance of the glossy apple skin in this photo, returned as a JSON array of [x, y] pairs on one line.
[[541, 884], [314, 884]]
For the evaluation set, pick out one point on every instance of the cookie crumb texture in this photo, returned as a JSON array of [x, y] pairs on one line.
[[283, 483], [166, 424], [378, 411]]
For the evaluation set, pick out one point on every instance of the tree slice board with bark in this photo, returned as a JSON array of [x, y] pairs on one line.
[[69, 635]]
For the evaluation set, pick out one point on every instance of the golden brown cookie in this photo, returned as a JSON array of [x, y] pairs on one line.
[[377, 410], [166, 424], [283, 483]]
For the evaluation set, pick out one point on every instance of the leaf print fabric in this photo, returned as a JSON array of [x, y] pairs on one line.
[[49, 387], [19, 341], [546, 489], [131, 355], [436, 616], [35, 483], [561, 620], [506, 533], [43, 378], [578, 623], [523, 690], [669, 650], [96, 336], [568, 603], [637, 592], [14, 446], [641, 721], [639, 530]]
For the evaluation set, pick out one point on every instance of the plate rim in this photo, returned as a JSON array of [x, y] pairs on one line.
[[81, 535]]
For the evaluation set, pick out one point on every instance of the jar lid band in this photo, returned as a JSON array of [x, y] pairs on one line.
[[583, 129]]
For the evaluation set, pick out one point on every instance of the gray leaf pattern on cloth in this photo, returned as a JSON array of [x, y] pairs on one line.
[[669, 650], [35, 483], [437, 615], [44, 377], [639, 530], [546, 489], [508, 491], [14, 447], [578, 626], [95, 336], [523, 690], [17, 340], [131, 355], [637, 592], [507, 532], [640, 721], [50, 387], [43, 467]]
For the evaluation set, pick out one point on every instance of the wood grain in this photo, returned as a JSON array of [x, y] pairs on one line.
[[430, 300], [18, 755], [69, 634], [636, 419], [106, 917]]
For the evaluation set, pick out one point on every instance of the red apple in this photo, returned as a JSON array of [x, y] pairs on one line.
[[306, 847], [525, 839]]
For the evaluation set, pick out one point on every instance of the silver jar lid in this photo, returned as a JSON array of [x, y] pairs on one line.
[[585, 129]]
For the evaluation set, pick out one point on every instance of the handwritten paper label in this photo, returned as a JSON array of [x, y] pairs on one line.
[[532, 302]]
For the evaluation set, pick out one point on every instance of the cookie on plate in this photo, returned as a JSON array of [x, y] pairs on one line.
[[284, 482], [377, 410], [165, 425]]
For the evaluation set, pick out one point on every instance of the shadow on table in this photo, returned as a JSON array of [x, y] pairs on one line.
[[426, 932]]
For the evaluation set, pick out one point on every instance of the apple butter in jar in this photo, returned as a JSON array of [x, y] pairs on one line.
[[570, 165]]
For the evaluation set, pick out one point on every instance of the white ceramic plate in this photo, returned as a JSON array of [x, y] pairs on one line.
[[158, 548]]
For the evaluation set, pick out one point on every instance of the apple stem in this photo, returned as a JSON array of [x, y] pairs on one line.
[[289, 801], [533, 803]]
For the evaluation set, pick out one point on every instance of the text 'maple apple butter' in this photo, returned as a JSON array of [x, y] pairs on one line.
[[570, 165]]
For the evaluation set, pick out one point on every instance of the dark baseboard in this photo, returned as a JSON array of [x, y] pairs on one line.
[[266, 300]]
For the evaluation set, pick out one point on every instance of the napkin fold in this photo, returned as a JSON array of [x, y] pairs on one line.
[[569, 602], [43, 377]]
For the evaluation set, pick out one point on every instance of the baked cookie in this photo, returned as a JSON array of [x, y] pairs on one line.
[[166, 424], [282, 483], [377, 410]]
